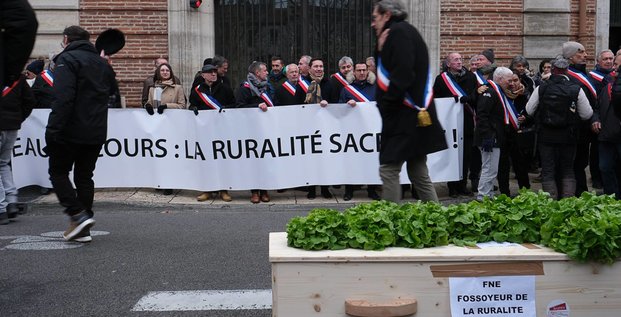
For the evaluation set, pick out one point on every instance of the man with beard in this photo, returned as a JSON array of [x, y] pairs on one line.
[[276, 76], [290, 92], [459, 83], [410, 127], [576, 55], [342, 78], [77, 126], [255, 92], [318, 88]]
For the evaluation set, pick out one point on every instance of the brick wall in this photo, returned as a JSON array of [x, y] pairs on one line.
[[470, 26], [145, 24]]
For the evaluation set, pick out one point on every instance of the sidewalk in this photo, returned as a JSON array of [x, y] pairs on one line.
[[150, 196]]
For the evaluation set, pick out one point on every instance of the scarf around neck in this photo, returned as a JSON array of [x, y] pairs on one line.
[[314, 90]]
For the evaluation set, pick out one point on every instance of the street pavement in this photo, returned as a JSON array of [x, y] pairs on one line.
[[145, 242]]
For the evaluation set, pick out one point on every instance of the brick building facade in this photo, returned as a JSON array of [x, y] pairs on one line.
[[166, 28]]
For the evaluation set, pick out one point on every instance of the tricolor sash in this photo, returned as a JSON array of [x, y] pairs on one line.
[[303, 84], [452, 85], [383, 82], [263, 95], [480, 78], [597, 75], [289, 87], [6, 90], [48, 76], [511, 114], [582, 79], [210, 101], [359, 96], [267, 99]]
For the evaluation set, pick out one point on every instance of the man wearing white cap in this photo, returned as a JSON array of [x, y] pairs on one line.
[[576, 55]]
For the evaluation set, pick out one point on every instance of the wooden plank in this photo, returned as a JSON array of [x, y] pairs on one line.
[[280, 252], [488, 269], [394, 308]]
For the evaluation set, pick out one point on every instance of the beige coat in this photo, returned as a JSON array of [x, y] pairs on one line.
[[172, 95]]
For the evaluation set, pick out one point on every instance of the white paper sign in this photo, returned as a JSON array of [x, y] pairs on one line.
[[240, 149], [493, 296]]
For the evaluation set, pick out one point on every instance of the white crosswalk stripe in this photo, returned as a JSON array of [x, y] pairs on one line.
[[205, 300]]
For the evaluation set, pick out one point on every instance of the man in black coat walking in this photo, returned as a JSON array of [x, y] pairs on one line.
[[77, 126], [410, 127]]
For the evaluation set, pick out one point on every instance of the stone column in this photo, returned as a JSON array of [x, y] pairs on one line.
[[191, 38], [602, 27], [425, 16], [53, 17], [546, 28]]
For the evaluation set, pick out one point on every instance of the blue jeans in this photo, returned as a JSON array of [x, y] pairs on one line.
[[609, 154], [8, 192]]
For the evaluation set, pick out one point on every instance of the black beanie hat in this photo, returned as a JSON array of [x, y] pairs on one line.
[[489, 54]]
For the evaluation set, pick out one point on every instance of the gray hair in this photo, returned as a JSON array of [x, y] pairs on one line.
[[502, 72], [306, 58], [599, 56], [519, 60], [346, 60], [371, 58], [448, 57], [255, 67], [218, 61], [395, 7]]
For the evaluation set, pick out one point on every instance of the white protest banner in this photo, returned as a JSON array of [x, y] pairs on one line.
[[493, 296], [239, 149]]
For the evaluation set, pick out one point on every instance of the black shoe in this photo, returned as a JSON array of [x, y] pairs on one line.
[[373, 195], [453, 193], [79, 223], [168, 192], [597, 184], [463, 191], [12, 210], [4, 218], [325, 193], [311, 194], [347, 196], [84, 236]]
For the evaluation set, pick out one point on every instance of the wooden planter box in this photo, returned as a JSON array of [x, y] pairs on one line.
[[318, 283]]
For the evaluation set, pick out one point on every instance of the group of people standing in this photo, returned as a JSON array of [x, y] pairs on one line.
[[561, 117]]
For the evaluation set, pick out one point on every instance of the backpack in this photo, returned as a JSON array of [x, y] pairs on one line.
[[558, 104]]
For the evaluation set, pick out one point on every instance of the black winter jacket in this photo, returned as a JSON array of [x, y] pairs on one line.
[[43, 92], [83, 84], [468, 83], [285, 98], [490, 119], [222, 93], [611, 125], [406, 60], [16, 105]]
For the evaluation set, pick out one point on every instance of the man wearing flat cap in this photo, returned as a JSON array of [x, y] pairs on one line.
[[211, 94], [558, 105], [576, 55]]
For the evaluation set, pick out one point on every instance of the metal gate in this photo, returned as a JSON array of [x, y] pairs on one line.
[[249, 30]]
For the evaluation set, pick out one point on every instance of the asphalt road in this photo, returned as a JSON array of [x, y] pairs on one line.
[[140, 249]]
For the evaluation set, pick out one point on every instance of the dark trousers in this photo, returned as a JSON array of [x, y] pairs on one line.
[[609, 154], [580, 164], [512, 155], [475, 163], [557, 162], [82, 158]]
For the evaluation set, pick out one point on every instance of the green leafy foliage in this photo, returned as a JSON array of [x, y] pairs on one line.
[[322, 229], [587, 228]]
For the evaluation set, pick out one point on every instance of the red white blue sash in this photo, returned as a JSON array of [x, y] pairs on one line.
[[360, 97], [303, 84], [267, 99], [452, 85], [289, 87], [383, 82], [480, 78], [582, 79], [48, 76], [263, 95], [210, 101], [511, 114], [6, 90], [597, 75]]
